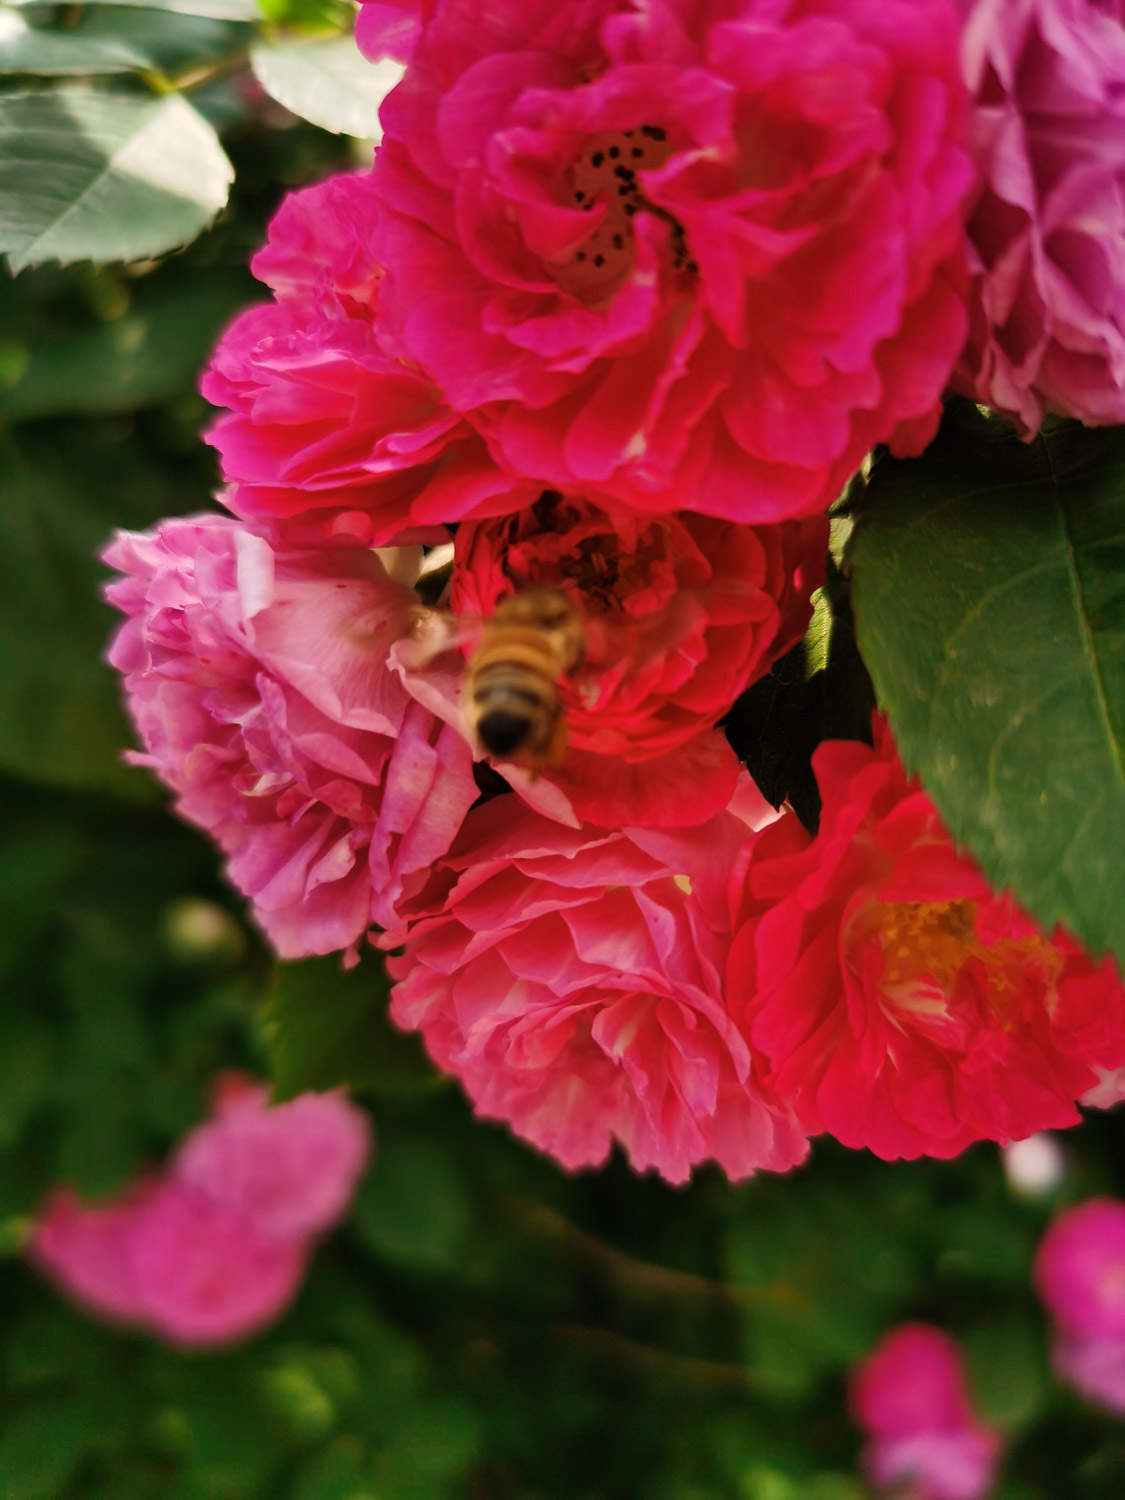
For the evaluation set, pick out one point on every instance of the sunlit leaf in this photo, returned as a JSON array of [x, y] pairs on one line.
[[89, 175], [326, 1026], [112, 39], [328, 82]]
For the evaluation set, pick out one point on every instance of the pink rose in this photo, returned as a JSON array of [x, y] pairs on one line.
[[1080, 1269], [572, 980], [321, 423], [292, 1167], [1093, 1366], [259, 685], [1080, 1277], [903, 1005], [214, 1248], [1047, 129], [910, 1398], [702, 255]]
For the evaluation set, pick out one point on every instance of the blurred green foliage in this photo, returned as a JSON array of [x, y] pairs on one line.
[[485, 1326]]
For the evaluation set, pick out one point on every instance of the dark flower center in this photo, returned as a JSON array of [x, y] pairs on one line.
[[607, 174]]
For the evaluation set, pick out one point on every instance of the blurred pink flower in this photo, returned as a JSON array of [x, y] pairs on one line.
[[291, 1168], [909, 1396], [1080, 1269], [701, 254], [1047, 129], [214, 1248], [1093, 1366], [572, 980], [321, 423], [1080, 1277], [259, 686], [902, 1005]]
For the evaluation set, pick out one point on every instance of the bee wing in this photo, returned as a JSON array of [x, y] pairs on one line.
[[435, 631]]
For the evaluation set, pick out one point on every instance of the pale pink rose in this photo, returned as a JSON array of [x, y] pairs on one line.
[[698, 253], [1080, 1269], [901, 1004], [213, 1248], [572, 980], [291, 1168], [909, 1395], [1045, 231], [259, 685], [322, 424]]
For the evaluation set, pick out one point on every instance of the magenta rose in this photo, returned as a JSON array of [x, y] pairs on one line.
[[321, 423], [1047, 129], [259, 686], [702, 255], [572, 980]]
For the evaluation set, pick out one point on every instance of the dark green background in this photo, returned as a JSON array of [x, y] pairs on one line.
[[484, 1326]]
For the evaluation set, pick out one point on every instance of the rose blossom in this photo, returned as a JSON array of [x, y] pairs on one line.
[[1046, 229], [215, 1247], [903, 1005], [681, 612], [701, 254], [321, 422], [258, 683], [909, 1396], [1080, 1276], [291, 1167], [572, 980], [1080, 1269]]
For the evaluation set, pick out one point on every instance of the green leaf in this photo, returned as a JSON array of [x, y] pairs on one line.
[[326, 1026], [412, 1208], [42, 1445], [328, 82], [88, 175], [118, 39], [1008, 1364], [218, 10], [148, 354], [989, 592], [61, 723]]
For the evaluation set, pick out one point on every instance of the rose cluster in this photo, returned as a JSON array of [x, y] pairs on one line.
[[630, 291]]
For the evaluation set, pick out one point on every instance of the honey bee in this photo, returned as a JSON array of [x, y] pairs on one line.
[[512, 702]]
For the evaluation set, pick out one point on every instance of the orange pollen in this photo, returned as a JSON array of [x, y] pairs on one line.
[[935, 939]]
